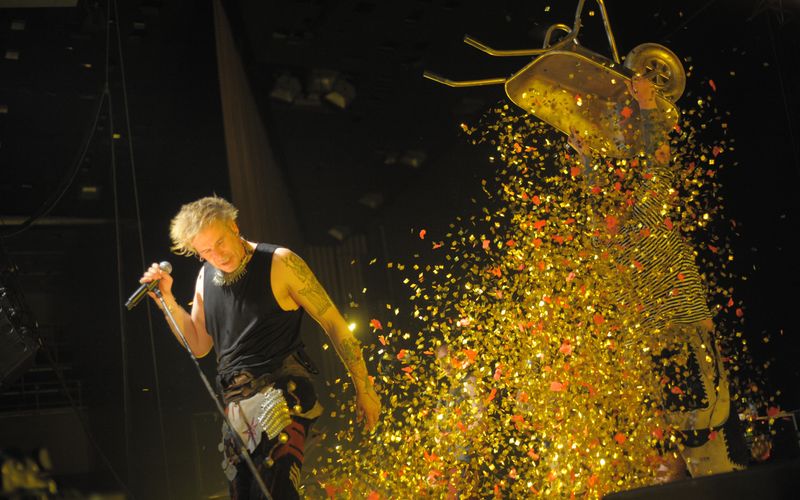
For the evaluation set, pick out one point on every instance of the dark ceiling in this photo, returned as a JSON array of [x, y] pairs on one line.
[[400, 126], [397, 128]]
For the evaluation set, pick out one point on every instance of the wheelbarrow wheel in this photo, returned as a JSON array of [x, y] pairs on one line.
[[659, 65]]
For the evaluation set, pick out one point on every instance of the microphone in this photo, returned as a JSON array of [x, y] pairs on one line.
[[141, 292]]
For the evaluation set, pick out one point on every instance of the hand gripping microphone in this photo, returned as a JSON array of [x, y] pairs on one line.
[[141, 292]]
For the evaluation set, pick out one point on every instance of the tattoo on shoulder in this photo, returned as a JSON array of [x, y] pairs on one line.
[[311, 289]]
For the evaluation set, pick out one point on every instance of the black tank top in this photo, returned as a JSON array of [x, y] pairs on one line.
[[250, 330]]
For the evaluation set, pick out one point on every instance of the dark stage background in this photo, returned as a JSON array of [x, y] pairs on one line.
[[104, 133]]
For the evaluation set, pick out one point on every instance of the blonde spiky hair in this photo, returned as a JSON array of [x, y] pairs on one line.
[[194, 216]]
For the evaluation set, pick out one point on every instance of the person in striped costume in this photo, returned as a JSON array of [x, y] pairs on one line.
[[665, 286]]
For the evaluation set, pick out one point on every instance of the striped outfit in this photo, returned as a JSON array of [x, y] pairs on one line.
[[665, 277], [666, 286]]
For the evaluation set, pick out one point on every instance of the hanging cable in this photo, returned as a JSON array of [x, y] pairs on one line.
[[67, 180], [81, 419], [787, 111], [126, 410], [134, 183], [688, 20]]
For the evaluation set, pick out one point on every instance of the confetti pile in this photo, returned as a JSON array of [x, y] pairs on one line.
[[519, 371]]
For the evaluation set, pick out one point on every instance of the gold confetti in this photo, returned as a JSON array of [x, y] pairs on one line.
[[522, 369]]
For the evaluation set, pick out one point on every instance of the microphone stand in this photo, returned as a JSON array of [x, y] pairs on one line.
[[243, 448]]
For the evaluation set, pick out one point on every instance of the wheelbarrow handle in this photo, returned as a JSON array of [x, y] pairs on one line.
[[501, 53], [463, 83]]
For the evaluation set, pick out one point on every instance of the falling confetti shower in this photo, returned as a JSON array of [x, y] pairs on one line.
[[522, 367]]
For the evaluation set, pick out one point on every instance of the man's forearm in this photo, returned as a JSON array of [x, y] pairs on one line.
[[349, 350], [184, 321]]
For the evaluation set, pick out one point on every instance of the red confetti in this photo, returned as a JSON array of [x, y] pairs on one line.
[[772, 411], [491, 396], [668, 223], [712, 435], [401, 354], [556, 386], [486, 244], [712, 85], [619, 438], [382, 340], [471, 354], [681, 277], [539, 224], [676, 390], [626, 112], [438, 245], [611, 224], [422, 234], [716, 150], [376, 324], [330, 490], [592, 390], [598, 319], [536, 200], [575, 171], [565, 348]]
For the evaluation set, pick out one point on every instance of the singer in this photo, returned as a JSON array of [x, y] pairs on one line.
[[249, 300]]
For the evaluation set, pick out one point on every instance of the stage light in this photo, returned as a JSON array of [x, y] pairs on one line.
[[413, 158], [342, 95], [287, 88], [371, 200], [339, 232], [321, 81]]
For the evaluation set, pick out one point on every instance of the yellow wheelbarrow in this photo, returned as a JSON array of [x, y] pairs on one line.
[[572, 88]]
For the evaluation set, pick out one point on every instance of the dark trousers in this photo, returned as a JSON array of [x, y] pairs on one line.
[[278, 465]]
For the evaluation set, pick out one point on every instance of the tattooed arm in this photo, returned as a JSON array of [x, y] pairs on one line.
[[297, 284]]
